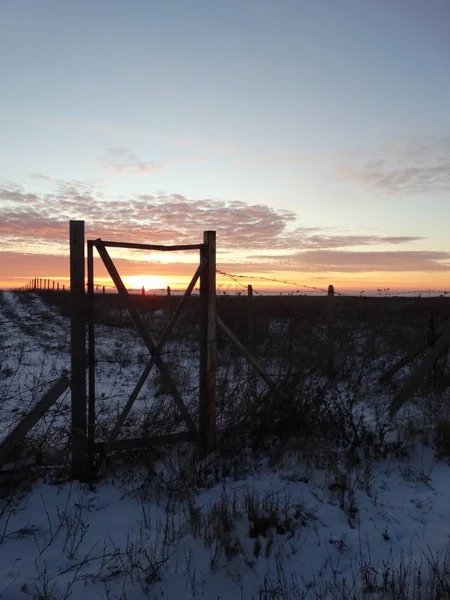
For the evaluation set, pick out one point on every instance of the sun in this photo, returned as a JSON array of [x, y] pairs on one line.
[[148, 282]]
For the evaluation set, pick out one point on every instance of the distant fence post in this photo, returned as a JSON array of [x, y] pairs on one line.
[[208, 360], [330, 323], [78, 350]]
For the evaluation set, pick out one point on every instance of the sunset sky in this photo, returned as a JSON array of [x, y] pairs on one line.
[[312, 135]]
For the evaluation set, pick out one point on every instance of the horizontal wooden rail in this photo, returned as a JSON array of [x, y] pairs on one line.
[[149, 246]]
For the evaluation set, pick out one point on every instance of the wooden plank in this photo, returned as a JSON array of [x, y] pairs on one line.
[[417, 349], [412, 383], [152, 246], [208, 359], [146, 442], [266, 378], [17, 435], [148, 340], [78, 350]]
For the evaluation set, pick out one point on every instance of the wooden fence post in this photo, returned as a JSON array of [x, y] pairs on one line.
[[208, 360], [251, 317], [78, 350], [91, 357], [330, 322]]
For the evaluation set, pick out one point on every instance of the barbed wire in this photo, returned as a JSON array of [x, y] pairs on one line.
[[379, 293], [236, 278]]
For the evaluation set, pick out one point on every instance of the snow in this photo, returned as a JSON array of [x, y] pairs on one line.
[[87, 539], [178, 529]]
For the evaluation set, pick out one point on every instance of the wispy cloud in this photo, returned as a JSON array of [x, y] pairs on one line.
[[409, 165], [123, 160], [341, 261]]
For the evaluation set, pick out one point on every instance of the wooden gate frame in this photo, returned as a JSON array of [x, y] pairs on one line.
[[84, 446]]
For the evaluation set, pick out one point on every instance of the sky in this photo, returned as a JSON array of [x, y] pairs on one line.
[[313, 136]]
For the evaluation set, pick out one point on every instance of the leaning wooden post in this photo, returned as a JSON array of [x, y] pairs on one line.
[[78, 350], [208, 361], [330, 322]]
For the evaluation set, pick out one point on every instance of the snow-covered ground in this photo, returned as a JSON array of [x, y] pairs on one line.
[[250, 526]]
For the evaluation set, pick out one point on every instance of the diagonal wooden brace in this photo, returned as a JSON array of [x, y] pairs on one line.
[[145, 373], [148, 340]]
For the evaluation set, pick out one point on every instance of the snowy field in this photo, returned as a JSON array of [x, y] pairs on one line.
[[347, 504]]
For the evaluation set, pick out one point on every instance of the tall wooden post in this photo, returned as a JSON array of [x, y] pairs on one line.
[[169, 303], [208, 360], [251, 317], [91, 355], [330, 322], [78, 350]]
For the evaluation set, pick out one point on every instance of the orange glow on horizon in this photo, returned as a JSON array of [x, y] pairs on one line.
[[352, 283], [148, 282]]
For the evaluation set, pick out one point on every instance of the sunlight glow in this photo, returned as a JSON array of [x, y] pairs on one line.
[[149, 282]]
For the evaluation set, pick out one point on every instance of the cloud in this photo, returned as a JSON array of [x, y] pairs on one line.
[[409, 165], [340, 261], [123, 160], [37, 222], [159, 218], [307, 239]]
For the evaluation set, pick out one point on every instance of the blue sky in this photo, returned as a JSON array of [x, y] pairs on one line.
[[335, 110]]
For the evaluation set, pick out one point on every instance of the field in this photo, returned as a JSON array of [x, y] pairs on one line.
[[314, 491]]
